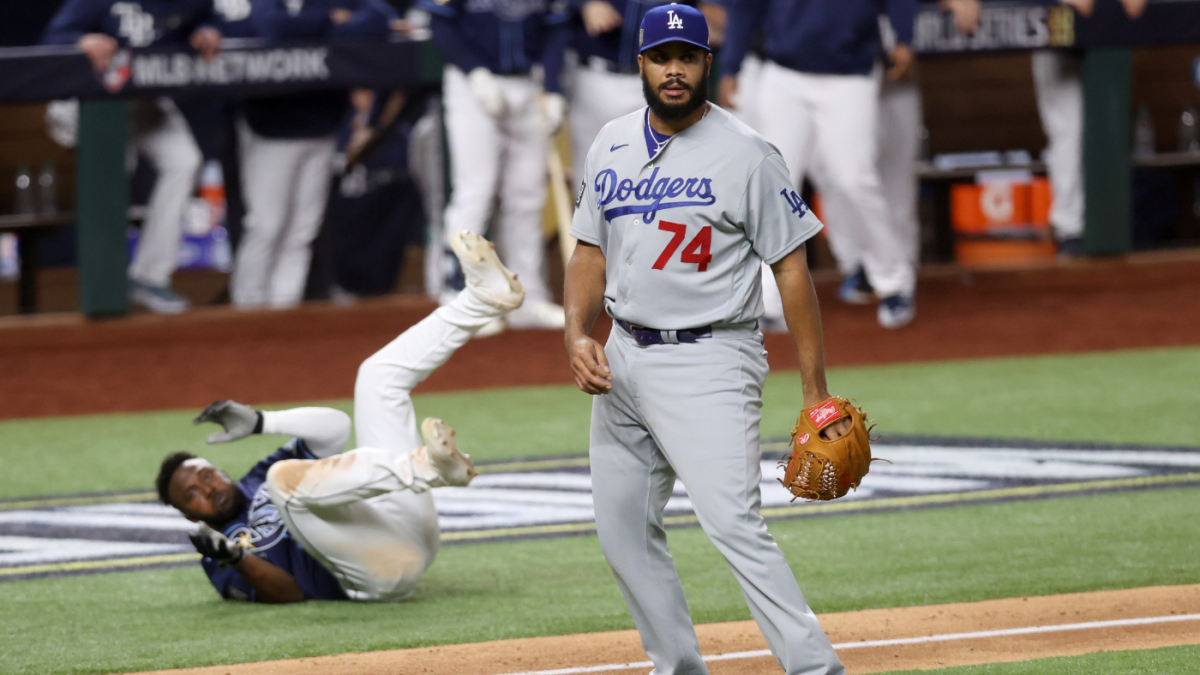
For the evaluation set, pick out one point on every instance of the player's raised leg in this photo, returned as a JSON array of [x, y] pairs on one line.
[[383, 411], [366, 515]]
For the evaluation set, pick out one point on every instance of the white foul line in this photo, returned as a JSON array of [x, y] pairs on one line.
[[947, 637]]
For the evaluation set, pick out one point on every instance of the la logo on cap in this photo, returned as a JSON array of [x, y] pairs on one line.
[[673, 20]]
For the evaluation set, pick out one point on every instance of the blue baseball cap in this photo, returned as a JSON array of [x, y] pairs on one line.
[[673, 23]]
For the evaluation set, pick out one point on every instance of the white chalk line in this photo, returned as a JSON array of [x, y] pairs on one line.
[[947, 637]]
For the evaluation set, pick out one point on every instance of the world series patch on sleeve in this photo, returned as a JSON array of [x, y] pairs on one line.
[[818, 469]]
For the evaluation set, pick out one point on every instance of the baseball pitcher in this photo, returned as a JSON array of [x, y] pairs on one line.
[[680, 205], [311, 522]]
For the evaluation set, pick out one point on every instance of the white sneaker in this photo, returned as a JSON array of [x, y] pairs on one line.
[[452, 465], [537, 314], [484, 271], [158, 299]]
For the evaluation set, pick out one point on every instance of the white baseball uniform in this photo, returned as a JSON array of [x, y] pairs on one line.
[[499, 159], [819, 130], [1058, 81], [685, 231], [367, 515], [286, 184], [171, 148]]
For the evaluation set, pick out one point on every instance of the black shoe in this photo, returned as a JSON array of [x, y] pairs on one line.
[[856, 290], [1070, 247]]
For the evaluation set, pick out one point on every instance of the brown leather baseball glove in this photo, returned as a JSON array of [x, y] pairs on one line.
[[818, 469]]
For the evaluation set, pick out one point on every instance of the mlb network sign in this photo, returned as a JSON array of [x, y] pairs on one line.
[[270, 66]]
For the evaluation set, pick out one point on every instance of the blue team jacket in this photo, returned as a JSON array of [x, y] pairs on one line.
[[134, 23], [310, 115], [619, 45], [838, 37], [261, 525], [505, 36]]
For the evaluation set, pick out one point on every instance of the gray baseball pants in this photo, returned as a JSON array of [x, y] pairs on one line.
[[692, 411]]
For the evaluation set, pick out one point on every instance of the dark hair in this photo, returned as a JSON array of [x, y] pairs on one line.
[[169, 466]]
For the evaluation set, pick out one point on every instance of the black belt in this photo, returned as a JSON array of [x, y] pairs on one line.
[[653, 336]]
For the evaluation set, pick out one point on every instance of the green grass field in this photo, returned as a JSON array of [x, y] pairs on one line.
[[1146, 397], [1176, 660], [171, 618]]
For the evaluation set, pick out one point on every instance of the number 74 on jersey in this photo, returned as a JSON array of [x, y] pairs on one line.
[[698, 250]]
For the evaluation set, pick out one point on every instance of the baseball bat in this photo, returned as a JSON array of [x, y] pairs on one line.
[[563, 208]]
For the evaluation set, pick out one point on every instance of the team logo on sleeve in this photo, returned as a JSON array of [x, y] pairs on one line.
[[264, 526], [798, 206], [610, 189]]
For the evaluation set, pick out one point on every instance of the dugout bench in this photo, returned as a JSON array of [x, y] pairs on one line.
[[253, 67], [244, 67]]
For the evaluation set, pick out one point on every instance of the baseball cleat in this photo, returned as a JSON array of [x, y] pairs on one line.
[[856, 290], [452, 465], [484, 271], [896, 311]]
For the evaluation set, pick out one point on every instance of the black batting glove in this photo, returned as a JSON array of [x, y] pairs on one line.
[[213, 544]]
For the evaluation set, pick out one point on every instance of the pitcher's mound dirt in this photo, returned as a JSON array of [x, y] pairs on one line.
[[595, 649]]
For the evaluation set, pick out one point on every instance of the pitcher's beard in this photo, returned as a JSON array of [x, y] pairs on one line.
[[673, 112]]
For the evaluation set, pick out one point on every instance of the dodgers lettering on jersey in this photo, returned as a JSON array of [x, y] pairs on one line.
[[684, 232], [653, 189], [261, 529]]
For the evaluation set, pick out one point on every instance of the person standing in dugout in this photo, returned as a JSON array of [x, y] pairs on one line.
[[104, 30], [497, 132], [820, 83], [287, 146], [680, 205]]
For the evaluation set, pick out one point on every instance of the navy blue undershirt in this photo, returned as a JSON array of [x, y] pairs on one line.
[[654, 142]]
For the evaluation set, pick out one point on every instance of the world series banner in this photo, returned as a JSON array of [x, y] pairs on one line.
[[244, 67], [1018, 25]]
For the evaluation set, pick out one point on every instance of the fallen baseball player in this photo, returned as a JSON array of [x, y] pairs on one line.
[[310, 522]]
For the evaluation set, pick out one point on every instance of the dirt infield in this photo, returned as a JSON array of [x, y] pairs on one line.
[[1057, 618], [67, 365]]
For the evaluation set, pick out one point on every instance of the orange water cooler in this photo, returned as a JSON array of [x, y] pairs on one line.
[[1001, 219]]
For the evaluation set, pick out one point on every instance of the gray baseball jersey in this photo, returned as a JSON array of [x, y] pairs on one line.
[[685, 231]]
